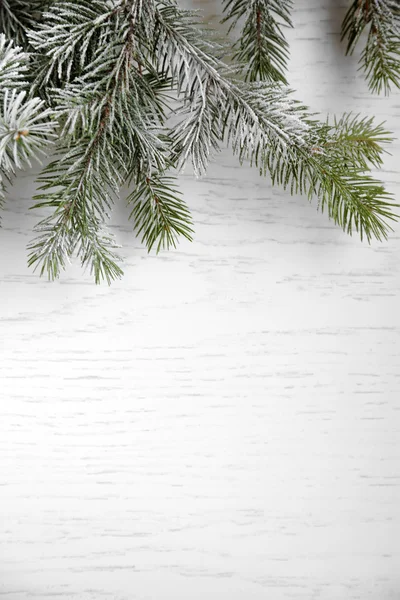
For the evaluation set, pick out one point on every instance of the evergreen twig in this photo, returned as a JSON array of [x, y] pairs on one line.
[[103, 70], [262, 47], [380, 59], [26, 125]]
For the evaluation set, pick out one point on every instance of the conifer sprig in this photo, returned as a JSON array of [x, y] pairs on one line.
[[334, 169], [215, 101], [262, 48], [380, 58], [104, 70], [18, 16], [159, 213], [266, 126], [26, 125], [13, 66], [109, 134]]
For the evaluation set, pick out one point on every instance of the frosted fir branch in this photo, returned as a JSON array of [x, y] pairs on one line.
[[97, 253], [195, 53], [274, 132], [204, 81], [51, 250], [380, 58], [104, 66], [26, 129], [108, 138], [200, 132], [109, 83], [335, 171], [57, 241], [26, 125], [262, 48], [63, 40], [80, 190], [17, 16], [75, 34], [13, 66]]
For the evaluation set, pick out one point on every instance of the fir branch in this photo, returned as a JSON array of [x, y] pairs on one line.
[[17, 16], [24, 130], [110, 137], [13, 66], [358, 141], [97, 250], [104, 67], [200, 132], [206, 83], [264, 125], [380, 58], [262, 48], [26, 125], [81, 189], [64, 39], [335, 170], [60, 237], [159, 213]]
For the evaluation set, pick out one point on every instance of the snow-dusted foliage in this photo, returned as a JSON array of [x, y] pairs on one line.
[[380, 58], [109, 73], [25, 122]]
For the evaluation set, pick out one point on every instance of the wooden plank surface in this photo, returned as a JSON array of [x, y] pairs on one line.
[[224, 422]]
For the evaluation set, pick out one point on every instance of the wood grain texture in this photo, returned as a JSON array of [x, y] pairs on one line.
[[224, 422]]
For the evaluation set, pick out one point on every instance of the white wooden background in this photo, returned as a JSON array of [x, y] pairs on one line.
[[223, 423]]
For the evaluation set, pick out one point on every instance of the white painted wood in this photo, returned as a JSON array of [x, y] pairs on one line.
[[222, 423]]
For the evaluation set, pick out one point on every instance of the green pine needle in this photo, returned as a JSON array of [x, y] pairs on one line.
[[159, 213], [104, 77], [262, 48], [380, 58]]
